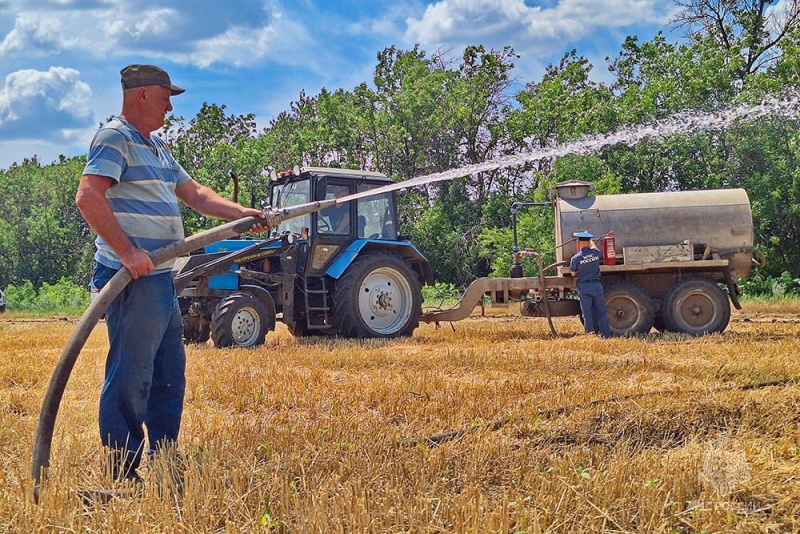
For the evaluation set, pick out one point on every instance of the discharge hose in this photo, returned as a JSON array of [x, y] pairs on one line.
[[43, 439], [52, 400]]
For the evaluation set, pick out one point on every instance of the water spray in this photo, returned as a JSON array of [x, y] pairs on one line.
[[785, 105]]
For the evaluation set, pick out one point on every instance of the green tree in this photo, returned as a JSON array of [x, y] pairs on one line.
[[437, 114], [42, 235], [748, 32], [218, 151]]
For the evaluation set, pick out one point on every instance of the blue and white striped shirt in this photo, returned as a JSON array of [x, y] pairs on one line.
[[143, 196]]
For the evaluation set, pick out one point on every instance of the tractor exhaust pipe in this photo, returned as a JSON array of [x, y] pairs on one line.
[[43, 438]]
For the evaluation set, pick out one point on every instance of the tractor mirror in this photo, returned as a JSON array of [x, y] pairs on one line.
[[320, 188]]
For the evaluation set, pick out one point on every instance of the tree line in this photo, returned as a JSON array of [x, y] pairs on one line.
[[430, 112]]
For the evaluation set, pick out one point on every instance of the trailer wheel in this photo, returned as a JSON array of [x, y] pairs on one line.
[[696, 307], [629, 309], [377, 296], [241, 320]]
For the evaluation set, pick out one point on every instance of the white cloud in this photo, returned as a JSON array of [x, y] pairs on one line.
[[238, 46], [199, 34], [542, 30], [33, 34], [44, 103], [148, 24]]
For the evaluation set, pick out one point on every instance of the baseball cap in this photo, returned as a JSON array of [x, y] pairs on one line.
[[584, 235], [142, 75]]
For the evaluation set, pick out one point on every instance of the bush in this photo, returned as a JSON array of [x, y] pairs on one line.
[[60, 297], [440, 291], [769, 286]]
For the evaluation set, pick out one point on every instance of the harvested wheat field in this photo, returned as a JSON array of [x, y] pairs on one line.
[[490, 426]]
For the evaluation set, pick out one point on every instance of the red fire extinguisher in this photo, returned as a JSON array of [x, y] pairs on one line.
[[608, 245]]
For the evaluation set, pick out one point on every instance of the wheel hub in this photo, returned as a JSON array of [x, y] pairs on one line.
[[243, 326], [698, 311], [381, 301]]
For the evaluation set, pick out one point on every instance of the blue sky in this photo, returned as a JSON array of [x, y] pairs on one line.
[[60, 59]]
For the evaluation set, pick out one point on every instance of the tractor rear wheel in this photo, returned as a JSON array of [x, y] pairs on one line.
[[239, 320], [629, 309], [378, 296], [696, 306]]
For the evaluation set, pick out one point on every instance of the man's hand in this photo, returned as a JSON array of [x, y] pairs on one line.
[[261, 225], [209, 202], [138, 263]]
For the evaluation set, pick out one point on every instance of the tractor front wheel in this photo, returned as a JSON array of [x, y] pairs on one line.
[[378, 296], [241, 320]]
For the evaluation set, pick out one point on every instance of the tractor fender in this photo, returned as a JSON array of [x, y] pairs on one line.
[[404, 249]]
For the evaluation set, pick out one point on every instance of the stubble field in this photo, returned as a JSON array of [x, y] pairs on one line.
[[663, 433]]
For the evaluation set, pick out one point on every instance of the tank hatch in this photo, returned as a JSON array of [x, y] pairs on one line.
[[572, 189]]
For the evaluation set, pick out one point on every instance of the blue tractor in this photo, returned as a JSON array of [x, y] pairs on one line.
[[344, 270]]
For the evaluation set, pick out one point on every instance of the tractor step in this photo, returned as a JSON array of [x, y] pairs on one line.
[[315, 290]]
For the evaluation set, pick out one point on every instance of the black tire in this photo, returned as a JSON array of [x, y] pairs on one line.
[[195, 330], [240, 320], [378, 296], [696, 307], [629, 308], [297, 329]]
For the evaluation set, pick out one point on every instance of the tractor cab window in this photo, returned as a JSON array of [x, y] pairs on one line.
[[336, 219], [375, 215], [288, 194]]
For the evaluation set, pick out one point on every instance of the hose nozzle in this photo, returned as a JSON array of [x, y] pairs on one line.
[[275, 216]]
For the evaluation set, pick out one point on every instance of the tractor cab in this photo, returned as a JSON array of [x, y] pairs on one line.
[[370, 217], [331, 231]]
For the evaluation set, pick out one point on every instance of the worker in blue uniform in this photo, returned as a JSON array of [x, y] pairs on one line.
[[585, 267]]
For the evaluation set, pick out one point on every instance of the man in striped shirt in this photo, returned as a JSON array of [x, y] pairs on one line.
[[129, 194]]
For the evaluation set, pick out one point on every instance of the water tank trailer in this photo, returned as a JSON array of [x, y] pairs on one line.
[[671, 260]]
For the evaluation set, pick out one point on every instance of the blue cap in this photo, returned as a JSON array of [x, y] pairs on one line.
[[583, 235]]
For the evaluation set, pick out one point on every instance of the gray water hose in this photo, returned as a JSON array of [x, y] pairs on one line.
[[42, 442], [43, 439]]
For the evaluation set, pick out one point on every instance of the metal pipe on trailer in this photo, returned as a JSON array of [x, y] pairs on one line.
[[542, 283]]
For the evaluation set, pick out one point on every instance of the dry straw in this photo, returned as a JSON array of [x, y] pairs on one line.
[[649, 434]]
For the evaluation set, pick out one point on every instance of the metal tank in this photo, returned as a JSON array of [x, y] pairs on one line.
[[715, 223]]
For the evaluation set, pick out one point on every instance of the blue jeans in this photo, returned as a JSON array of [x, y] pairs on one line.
[[145, 369], [593, 308]]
